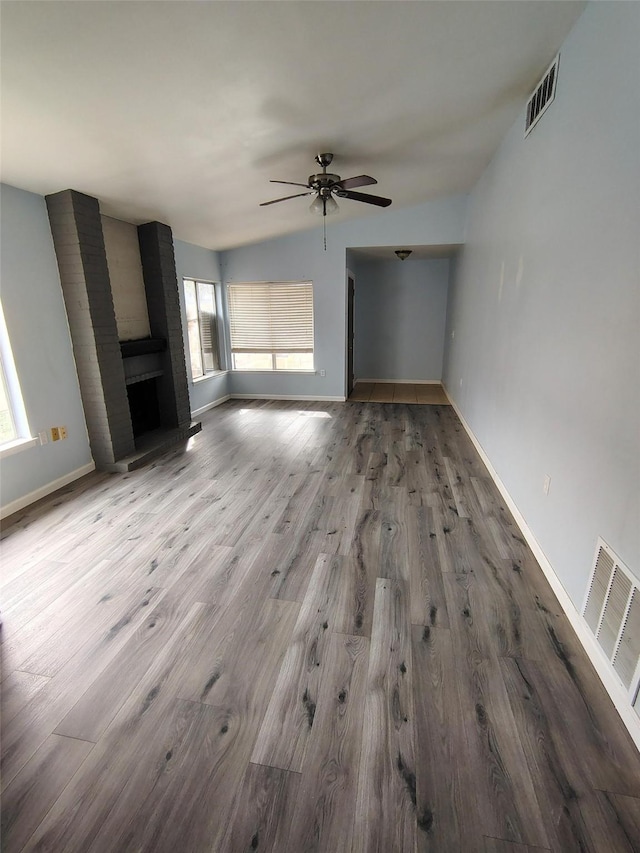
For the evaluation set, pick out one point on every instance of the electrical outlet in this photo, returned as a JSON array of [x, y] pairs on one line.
[[546, 484], [461, 383], [323, 373], [55, 434], [453, 334], [63, 432], [44, 437]]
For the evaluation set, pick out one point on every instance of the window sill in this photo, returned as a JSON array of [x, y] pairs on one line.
[[16, 446], [213, 374], [255, 370]]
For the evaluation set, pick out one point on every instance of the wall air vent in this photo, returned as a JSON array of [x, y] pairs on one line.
[[542, 96], [612, 612]]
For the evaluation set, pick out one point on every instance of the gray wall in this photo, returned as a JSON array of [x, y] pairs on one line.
[[400, 315], [39, 333], [545, 303], [300, 257], [203, 264]]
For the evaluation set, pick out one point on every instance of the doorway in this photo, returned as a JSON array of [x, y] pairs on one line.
[[351, 286]]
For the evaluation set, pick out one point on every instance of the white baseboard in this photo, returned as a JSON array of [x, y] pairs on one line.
[[206, 408], [308, 397], [43, 491], [614, 688], [402, 381]]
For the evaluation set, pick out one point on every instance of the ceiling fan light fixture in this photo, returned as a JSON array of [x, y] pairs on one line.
[[403, 254], [330, 205], [324, 205], [317, 206]]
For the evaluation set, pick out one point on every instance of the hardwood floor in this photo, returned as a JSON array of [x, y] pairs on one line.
[[317, 629], [399, 392]]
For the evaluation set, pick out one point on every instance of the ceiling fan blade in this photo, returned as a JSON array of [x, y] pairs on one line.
[[286, 198], [368, 199], [292, 183], [352, 183]]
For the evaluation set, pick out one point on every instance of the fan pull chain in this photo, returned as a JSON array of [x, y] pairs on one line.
[[324, 231]]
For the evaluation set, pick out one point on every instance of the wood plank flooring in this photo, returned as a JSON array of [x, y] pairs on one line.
[[399, 392], [317, 628]]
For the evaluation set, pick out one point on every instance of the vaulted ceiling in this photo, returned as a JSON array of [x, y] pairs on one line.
[[183, 111]]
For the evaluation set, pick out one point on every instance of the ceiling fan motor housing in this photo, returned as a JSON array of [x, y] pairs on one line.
[[323, 181]]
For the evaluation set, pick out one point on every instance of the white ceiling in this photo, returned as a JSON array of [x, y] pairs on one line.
[[183, 111]]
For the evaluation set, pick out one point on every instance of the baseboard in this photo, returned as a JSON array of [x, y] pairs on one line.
[[402, 381], [206, 408], [313, 398], [43, 491], [614, 688]]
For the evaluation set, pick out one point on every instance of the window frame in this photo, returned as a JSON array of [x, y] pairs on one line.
[[202, 351], [272, 351]]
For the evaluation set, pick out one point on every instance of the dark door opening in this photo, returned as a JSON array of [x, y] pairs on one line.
[[350, 300]]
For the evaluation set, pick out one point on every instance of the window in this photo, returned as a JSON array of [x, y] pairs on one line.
[[202, 327], [14, 429], [7, 421], [271, 325]]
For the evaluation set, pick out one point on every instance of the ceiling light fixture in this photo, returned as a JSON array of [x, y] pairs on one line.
[[324, 205], [403, 254]]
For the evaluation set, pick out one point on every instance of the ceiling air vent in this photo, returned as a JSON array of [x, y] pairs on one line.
[[612, 612], [541, 98]]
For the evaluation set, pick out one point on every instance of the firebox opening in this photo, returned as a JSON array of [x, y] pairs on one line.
[[143, 406]]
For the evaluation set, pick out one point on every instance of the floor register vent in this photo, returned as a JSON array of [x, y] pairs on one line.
[[612, 611], [542, 96]]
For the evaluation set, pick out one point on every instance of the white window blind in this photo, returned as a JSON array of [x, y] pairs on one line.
[[271, 317]]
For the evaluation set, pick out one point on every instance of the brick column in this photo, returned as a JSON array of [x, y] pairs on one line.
[[163, 304], [79, 245]]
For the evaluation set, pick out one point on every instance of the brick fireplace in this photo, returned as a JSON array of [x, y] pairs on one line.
[[127, 426]]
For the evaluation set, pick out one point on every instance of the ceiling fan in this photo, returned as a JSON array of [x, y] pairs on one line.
[[326, 185]]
